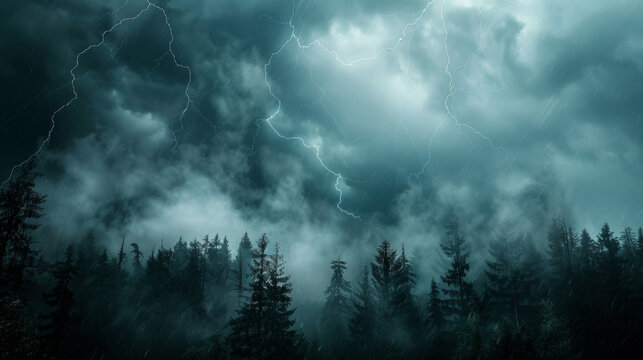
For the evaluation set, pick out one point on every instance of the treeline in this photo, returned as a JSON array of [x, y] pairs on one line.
[[580, 299]]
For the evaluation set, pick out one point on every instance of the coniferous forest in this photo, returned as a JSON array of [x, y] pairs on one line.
[[581, 298]]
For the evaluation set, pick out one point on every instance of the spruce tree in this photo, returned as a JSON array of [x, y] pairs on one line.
[[362, 323], [554, 338], [333, 326], [20, 204], [561, 242], [505, 288], [629, 245], [279, 336], [247, 328], [242, 267], [609, 260], [458, 289], [435, 318], [383, 270], [121, 253], [586, 253], [403, 284], [136, 260], [193, 276], [61, 300]]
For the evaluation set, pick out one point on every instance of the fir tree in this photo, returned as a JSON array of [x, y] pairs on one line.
[[136, 261], [193, 276], [404, 282], [242, 266], [60, 299], [278, 334], [629, 245], [586, 252], [333, 319], [554, 338], [121, 253], [383, 270], [435, 318], [362, 324], [20, 204], [458, 291], [247, 328], [505, 288], [609, 261], [561, 242]]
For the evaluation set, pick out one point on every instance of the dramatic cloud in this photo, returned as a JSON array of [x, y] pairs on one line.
[[510, 113]]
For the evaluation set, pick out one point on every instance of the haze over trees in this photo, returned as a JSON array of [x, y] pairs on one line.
[[581, 298]]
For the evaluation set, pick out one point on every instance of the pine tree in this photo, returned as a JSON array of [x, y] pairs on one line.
[[586, 253], [136, 261], [435, 318], [180, 256], [362, 324], [121, 253], [20, 204], [561, 242], [609, 260], [383, 270], [279, 335], [242, 265], [459, 290], [505, 287], [629, 245], [193, 275], [61, 300], [333, 319], [404, 282], [640, 245], [554, 339], [247, 328]]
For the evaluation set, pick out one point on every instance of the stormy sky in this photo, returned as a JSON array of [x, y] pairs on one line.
[[329, 125]]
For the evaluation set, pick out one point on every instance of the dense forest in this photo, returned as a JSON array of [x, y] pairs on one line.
[[580, 299]]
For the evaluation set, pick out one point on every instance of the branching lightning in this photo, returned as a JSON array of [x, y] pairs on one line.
[[447, 107], [170, 50], [293, 38], [317, 43]]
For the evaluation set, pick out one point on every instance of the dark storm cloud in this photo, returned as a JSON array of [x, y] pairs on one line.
[[545, 103]]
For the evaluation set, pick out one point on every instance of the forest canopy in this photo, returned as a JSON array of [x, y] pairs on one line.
[[580, 299]]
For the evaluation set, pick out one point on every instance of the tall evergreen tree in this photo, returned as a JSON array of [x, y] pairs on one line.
[[333, 326], [136, 261], [383, 270], [586, 252], [554, 338], [20, 204], [247, 328], [561, 242], [609, 261], [60, 299], [362, 323], [278, 334], [435, 314], [403, 284], [121, 253], [242, 267], [505, 288], [458, 289], [193, 276], [629, 245]]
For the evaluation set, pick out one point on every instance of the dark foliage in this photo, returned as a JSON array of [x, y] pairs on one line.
[[581, 298]]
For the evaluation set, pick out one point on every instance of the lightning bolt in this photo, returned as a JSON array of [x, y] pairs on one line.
[[72, 72], [317, 43], [447, 107]]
